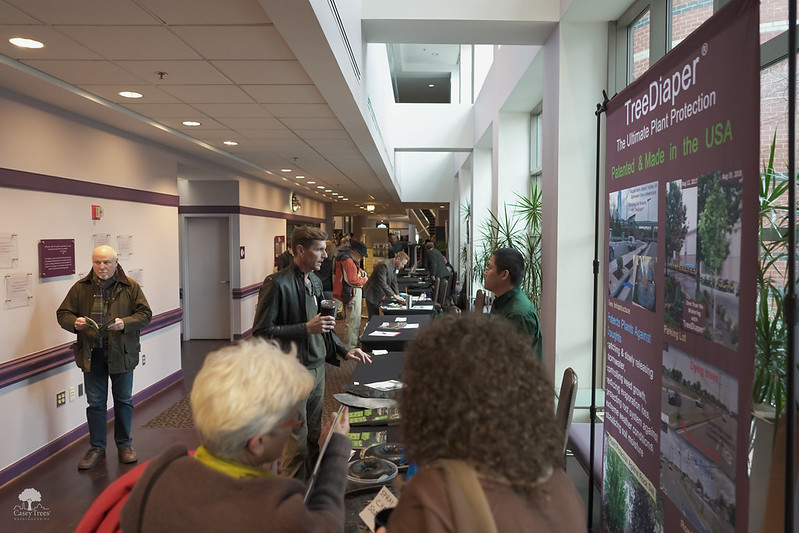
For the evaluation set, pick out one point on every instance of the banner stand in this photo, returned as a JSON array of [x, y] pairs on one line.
[[600, 110], [790, 300]]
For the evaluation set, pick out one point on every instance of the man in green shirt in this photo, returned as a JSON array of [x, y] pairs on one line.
[[503, 277]]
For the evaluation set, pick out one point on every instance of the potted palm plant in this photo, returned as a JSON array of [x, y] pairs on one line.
[[519, 228]]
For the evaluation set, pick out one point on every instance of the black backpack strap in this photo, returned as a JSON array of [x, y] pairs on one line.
[[149, 487]]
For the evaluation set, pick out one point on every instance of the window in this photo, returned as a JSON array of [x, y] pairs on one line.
[[686, 16], [638, 50], [535, 144], [773, 19]]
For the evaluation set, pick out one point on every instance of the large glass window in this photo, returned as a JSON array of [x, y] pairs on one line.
[[639, 46], [686, 16], [773, 18], [773, 116]]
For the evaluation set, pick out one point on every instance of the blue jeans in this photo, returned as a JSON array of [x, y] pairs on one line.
[[96, 383]]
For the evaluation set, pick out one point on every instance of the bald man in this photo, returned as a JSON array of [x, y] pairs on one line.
[[107, 310]]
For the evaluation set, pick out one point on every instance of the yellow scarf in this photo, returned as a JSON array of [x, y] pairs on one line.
[[231, 468]]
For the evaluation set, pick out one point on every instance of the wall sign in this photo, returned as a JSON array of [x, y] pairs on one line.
[[56, 257]]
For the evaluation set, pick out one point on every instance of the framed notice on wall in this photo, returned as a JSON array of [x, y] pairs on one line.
[[56, 257], [8, 250]]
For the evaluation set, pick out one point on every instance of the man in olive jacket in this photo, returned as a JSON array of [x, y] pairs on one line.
[[107, 310], [288, 311]]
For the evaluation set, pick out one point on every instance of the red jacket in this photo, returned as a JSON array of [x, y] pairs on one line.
[[355, 276]]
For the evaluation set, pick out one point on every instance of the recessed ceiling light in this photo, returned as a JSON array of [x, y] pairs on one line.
[[370, 207], [328, 190], [130, 94], [285, 170], [231, 143], [345, 198], [190, 123], [320, 186], [301, 178], [310, 182], [431, 85], [25, 43], [442, 207]]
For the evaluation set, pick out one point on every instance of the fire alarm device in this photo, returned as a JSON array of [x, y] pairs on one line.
[[97, 212]]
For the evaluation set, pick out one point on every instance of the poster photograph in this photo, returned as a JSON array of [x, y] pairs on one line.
[[697, 441], [682, 185], [703, 247], [632, 246]]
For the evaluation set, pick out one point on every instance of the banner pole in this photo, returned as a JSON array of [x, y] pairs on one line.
[[790, 302], [600, 109]]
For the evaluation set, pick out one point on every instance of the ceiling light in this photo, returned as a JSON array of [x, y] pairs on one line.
[[25, 43], [320, 186], [345, 198], [190, 123], [328, 190], [231, 143], [431, 85], [442, 207], [310, 182], [301, 178], [130, 94], [370, 207], [285, 170]]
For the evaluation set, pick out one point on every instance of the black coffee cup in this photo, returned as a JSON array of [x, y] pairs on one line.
[[328, 307]]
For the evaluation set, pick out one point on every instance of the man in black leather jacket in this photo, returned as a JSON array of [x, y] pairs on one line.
[[288, 311]]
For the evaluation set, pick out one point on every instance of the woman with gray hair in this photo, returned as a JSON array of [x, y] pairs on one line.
[[245, 405]]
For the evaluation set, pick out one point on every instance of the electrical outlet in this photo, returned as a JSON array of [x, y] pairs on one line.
[[61, 398], [80, 389], [72, 394], [143, 359]]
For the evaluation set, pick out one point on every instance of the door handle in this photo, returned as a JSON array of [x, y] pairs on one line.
[[225, 282]]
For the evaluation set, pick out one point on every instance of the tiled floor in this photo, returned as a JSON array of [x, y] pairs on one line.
[[67, 492]]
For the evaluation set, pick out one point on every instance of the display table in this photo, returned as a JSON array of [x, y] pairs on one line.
[[385, 333], [394, 310], [383, 367]]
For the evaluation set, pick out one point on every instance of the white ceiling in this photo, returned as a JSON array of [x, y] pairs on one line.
[[224, 65]]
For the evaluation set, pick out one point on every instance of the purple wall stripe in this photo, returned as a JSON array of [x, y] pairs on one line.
[[242, 336], [242, 210], [37, 363], [18, 179], [53, 447], [249, 290]]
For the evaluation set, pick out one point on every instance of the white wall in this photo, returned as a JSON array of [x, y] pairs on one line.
[[38, 139], [432, 126], [578, 56], [533, 10], [257, 236], [425, 176]]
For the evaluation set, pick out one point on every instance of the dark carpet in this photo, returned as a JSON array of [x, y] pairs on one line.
[[179, 416]]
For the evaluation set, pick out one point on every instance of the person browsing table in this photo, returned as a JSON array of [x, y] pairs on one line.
[[382, 284], [348, 280], [288, 310]]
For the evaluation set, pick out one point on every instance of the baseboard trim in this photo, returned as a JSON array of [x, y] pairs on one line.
[[53, 447]]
